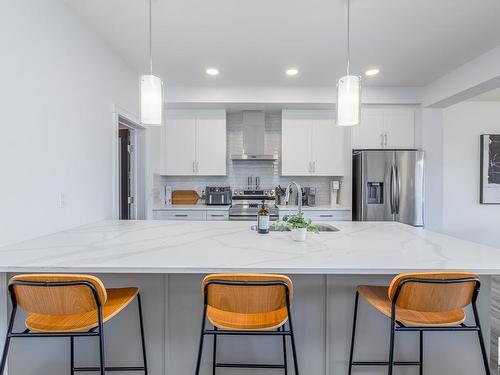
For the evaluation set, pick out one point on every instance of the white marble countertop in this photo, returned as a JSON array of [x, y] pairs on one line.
[[196, 207], [159, 246], [320, 207]]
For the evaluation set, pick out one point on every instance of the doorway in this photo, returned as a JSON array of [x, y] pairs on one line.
[[126, 196], [129, 165]]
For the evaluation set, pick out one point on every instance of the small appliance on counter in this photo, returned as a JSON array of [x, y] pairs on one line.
[[309, 196], [217, 195], [334, 192]]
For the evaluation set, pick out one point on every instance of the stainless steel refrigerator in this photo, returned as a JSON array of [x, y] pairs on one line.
[[388, 185]]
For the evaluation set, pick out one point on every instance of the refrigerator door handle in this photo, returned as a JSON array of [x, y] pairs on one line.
[[392, 189], [398, 190]]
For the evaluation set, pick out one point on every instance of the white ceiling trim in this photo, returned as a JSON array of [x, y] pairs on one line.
[[298, 95], [469, 80]]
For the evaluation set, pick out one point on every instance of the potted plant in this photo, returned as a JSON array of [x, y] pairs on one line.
[[299, 226]]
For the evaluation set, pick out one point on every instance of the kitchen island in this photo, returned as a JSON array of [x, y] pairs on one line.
[[167, 260]]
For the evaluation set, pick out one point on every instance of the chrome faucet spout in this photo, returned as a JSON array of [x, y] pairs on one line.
[[299, 194]]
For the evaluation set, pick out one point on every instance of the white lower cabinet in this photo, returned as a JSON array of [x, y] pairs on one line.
[[200, 214], [217, 215], [321, 215], [180, 215]]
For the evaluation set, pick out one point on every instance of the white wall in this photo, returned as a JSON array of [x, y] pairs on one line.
[[59, 85], [462, 215]]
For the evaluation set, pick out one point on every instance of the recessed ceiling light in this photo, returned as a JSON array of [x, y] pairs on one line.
[[292, 72], [212, 71], [372, 72]]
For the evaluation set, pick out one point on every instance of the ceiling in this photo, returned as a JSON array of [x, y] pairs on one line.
[[413, 42]]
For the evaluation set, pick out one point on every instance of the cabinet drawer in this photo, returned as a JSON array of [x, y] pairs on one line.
[[328, 215], [217, 215], [180, 215]]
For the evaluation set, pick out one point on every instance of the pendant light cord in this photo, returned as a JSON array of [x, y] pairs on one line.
[[150, 42], [348, 35]]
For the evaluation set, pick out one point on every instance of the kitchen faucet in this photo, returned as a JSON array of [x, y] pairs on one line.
[[299, 194]]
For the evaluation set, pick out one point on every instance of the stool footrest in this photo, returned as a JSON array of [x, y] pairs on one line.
[[245, 332], [383, 363], [248, 365], [114, 368]]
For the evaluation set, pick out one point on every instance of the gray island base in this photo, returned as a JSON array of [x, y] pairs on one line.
[[167, 261]]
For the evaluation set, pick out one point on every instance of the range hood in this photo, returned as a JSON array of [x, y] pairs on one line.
[[253, 138]]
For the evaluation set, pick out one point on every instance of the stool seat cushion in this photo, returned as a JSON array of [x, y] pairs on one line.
[[378, 297], [117, 300], [247, 321]]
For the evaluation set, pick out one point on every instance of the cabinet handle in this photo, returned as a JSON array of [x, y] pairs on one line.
[[181, 215], [214, 215], [382, 139], [385, 139], [310, 167], [326, 215], [194, 167]]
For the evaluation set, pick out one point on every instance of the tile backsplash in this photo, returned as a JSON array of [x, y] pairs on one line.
[[239, 171]]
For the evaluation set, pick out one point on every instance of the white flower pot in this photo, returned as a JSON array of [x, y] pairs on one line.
[[299, 234]]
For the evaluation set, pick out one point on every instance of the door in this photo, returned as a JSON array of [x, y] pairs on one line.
[[328, 152], [296, 144], [211, 143], [377, 169], [399, 128], [410, 182], [126, 199], [180, 139], [370, 131]]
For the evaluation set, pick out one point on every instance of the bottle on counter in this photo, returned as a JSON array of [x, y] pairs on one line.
[[263, 219]]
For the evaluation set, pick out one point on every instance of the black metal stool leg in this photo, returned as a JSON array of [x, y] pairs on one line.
[[391, 344], [351, 354], [72, 354], [102, 366], [421, 340], [294, 350], [214, 360], [202, 336], [139, 305], [7, 338], [481, 340], [285, 363]]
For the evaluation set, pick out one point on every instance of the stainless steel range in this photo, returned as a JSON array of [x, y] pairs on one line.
[[247, 202]]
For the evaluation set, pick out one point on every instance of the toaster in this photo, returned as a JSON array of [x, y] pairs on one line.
[[217, 195]]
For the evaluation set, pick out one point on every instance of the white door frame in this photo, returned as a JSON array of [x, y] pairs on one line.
[[138, 161]]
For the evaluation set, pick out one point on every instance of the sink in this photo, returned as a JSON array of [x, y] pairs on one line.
[[322, 228]]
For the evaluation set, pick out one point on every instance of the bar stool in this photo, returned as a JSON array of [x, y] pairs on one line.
[[428, 301], [66, 305], [247, 304]]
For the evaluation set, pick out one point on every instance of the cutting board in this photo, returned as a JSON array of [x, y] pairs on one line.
[[184, 197]]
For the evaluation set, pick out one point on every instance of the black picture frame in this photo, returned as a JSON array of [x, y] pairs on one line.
[[490, 169]]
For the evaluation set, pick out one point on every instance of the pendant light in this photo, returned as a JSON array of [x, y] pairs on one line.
[[151, 90], [348, 89]]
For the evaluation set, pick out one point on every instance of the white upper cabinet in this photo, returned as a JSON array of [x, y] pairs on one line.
[[311, 144], [195, 143], [384, 128], [180, 150]]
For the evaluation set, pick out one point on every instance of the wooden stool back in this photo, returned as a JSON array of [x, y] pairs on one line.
[[57, 300], [421, 296], [247, 299]]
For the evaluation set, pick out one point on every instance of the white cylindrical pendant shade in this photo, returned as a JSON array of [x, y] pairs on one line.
[[151, 100], [348, 100]]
